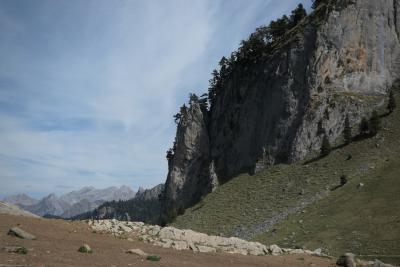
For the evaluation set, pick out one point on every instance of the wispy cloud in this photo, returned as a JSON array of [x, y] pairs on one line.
[[88, 88]]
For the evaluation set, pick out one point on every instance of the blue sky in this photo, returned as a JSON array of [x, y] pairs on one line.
[[88, 88]]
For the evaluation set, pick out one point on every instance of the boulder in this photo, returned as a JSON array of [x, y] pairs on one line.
[[347, 260], [180, 245], [275, 250], [206, 249], [170, 233], [297, 251], [317, 252], [138, 252], [18, 232]]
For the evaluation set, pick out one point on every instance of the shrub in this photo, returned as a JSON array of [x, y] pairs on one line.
[[85, 249], [343, 180], [153, 258], [22, 250], [374, 123]]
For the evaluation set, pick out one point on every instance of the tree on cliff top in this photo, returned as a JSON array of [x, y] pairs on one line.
[[317, 3], [297, 15]]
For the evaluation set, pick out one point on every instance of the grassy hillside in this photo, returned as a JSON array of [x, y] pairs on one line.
[[293, 205]]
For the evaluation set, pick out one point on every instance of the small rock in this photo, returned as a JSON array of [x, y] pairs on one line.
[[18, 232], [137, 251], [360, 185]]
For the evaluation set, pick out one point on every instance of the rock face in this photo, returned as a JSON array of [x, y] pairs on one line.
[[149, 194], [189, 175], [339, 61]]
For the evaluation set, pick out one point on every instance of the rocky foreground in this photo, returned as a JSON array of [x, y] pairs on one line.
[[73, 243], [170, 237]]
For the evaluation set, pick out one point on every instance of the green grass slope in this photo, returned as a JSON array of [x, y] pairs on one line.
[[293, 205]]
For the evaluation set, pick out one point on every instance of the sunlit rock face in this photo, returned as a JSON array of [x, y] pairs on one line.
[[338, 62]]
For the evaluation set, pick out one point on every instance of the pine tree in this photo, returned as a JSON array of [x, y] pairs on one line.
[[325, 147], [316, 3], [297, 15], [374, 123], [347, 131], [364, 127], [392, 102]]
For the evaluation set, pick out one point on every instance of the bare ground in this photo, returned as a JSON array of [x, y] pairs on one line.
[[58, 241]]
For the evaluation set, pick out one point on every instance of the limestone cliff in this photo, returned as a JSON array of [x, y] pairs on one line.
[[339, 61], [188, 175]]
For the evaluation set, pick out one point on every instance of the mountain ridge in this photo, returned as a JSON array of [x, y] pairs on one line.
[[72, 203]]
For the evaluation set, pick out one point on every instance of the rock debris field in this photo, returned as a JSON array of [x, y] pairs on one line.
[[170, 237]]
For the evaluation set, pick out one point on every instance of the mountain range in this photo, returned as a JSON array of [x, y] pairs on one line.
[[72, 203]]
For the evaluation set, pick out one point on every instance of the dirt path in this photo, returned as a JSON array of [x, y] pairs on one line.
[[57, 243]]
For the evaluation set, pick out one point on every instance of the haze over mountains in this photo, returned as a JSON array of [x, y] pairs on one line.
[[72, 203]]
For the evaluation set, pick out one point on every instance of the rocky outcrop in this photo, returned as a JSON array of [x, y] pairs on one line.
[[149, 194], [189, 167], [339, 61], [170, 237]]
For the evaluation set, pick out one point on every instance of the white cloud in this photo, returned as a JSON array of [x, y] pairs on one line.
[[87, 93]]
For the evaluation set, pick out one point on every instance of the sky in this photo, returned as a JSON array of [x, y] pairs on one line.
[[88, 88]]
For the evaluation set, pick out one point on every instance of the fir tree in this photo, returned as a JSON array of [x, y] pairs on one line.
[[374, 123], [297, 15], [316, 3], [392, 102], [347, 131], [325, 147]]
